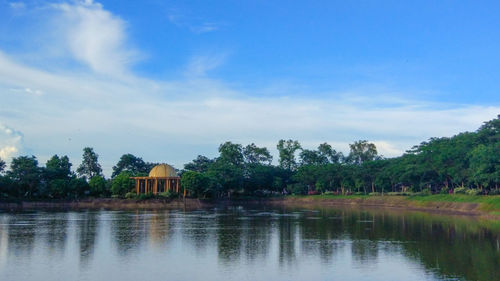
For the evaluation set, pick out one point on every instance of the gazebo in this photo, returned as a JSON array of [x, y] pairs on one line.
[[161, 178]]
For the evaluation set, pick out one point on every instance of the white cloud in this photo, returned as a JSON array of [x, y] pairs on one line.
[[10, 142], [95, 37]]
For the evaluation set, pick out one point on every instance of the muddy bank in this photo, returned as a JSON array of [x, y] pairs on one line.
[[394, 202], [107, 203]]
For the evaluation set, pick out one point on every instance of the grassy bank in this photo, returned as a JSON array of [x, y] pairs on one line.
[[456, 203]]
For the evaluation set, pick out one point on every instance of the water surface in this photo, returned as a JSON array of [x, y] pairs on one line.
[[246, 243]]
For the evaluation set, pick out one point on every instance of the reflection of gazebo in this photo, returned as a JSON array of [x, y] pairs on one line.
[[162, 178]]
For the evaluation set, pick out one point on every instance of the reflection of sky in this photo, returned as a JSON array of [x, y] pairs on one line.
[[215, 245]]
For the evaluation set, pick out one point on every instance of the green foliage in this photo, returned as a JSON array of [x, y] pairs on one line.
[[460, 190], [145, 196], [131, 195], [198, 184], [257, 155], [26, 175], [98, 186], [287, 151], [122, 184], [362, 151], [132, 164], [89, 167], [473, 191], [168, 195]]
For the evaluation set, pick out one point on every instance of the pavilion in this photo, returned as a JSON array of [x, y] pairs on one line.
[[162, 178]]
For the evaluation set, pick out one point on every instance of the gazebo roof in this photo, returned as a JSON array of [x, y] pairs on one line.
[[162, 170]]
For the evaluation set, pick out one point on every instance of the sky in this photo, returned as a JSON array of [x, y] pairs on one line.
[[169, 80]]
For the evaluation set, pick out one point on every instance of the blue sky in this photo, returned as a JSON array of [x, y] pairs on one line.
[[168, 80]]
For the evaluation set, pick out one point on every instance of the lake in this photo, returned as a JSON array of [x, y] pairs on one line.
[[246, 243]]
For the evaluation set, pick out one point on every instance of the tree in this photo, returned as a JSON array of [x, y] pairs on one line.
[[287, 151], [198, 184], [201, 164], [89, 167], [25, 173], [2, 165], [362, 151], [326, 150], [57, 168], [257, 155], [130, 163], [97, 186], [122, 184], [231, 153]]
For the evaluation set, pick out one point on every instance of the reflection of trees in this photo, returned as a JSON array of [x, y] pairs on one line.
[[86, 231], [287, 232], [256, 237], [53, 228], [198, 229], [21, 235], [229, 236], [128, 230]]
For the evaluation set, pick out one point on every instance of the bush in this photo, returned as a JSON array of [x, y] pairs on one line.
[[374, 193], [426, 191], [297, 189], [144, 196], [473, 192], [444, 190], [168, 195], [130, 195], [328, 193], [460, 190], [359, 193]]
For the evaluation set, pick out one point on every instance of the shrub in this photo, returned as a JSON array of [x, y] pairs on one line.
[[130, 195], [168, 195], [460, 190], [473, 191], [359, 193], [328, 193], [444, 190], [374, 193], [145, 196]]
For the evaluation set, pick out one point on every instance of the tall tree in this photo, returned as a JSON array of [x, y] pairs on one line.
[[326, 150], [24, 171], [362, 151], [89, 167], [231, 153], [257, 155], [132, 164], [201, 164], [57, 168], [287, 150]]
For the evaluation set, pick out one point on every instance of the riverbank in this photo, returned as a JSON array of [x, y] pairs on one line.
[[484, 206], [106, 203]]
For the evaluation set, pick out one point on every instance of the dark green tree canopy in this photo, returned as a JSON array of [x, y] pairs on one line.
[[132, 164], [231, 153], [89, 167], [201, 164], [257, 155], [25, 172], [58, 168]]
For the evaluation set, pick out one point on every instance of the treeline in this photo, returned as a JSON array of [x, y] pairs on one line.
[[466, 163]]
